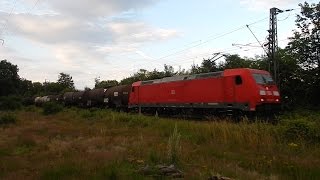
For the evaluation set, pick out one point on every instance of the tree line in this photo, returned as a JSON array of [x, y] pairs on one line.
[[299, 70]]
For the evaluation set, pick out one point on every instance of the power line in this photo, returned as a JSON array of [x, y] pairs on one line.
[[210, 39], [7, 19], [28, 13], [183, 60], [201, 42], [257, 39]]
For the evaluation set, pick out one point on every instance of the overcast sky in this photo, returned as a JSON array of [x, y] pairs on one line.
[[112, 39]]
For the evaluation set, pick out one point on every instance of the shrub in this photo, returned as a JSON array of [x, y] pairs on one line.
[[31, 108], [10, 103], [86, 114], [301, 129], [51, 108], [8, 119]]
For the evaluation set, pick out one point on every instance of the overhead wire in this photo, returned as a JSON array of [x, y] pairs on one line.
[[227, 50], [211, 39], [204, 42], [7, 19], [197, 56], [28, 12]]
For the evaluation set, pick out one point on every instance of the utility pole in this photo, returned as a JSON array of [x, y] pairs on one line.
[[273, 43]]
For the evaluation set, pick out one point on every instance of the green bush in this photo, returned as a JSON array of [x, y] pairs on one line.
[[52, 108], [31, 108], [301, 130], [7, 119], [10, 103]]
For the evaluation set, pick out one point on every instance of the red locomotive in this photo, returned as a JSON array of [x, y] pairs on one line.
[[229, 90]]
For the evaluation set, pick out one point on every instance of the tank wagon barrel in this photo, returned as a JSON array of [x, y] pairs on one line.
[[96, 97], [67, 98], [79, 98], [118, 96]]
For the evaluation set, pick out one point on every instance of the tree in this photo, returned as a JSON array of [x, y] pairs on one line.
[[195, 69], [65, 80], [37, 88], [208, 65], [53, 88], [290, 78], [155, 74], [306, 40], [305, 49], [9, 78], [105, 84], [169, 71], [25, 87]]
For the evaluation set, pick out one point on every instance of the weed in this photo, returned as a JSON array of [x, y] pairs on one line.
[[10, 103], [154, 157], [7, 118], [4, 152], [86, 114], [20, 150], [300, 130], [51, 108], [174, 146], [64, 171], [118, 170], [31, 108]]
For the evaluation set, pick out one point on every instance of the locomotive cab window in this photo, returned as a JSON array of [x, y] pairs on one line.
[[238, 80]]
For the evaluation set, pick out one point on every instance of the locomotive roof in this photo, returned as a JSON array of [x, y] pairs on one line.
[[200, 76], [184, 78]]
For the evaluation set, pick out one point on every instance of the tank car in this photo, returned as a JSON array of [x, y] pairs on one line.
[[96, 98], [118, 96], [79, 98], [68, 98]]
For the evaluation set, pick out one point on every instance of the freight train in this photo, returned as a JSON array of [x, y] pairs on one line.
[[231, 91]]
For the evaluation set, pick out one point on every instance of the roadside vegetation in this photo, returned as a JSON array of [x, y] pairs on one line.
[[101, 144]]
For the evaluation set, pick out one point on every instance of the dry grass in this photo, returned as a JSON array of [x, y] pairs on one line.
[[99, 144]]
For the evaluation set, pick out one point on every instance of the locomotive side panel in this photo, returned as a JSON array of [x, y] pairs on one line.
[[179, 93]]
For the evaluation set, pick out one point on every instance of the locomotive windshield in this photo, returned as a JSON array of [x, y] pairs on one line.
[[263, 79]]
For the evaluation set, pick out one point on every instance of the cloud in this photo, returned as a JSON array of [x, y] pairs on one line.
[[262, 4], [96, 8], [83, 38], [54, 29]]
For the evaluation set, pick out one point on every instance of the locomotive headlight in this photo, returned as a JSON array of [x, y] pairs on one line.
[[263, 93], [276, 93]]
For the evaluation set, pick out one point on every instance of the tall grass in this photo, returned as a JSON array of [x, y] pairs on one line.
[[105, 144], [174, 146]]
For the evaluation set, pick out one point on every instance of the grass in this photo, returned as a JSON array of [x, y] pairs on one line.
[[102, 144]]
